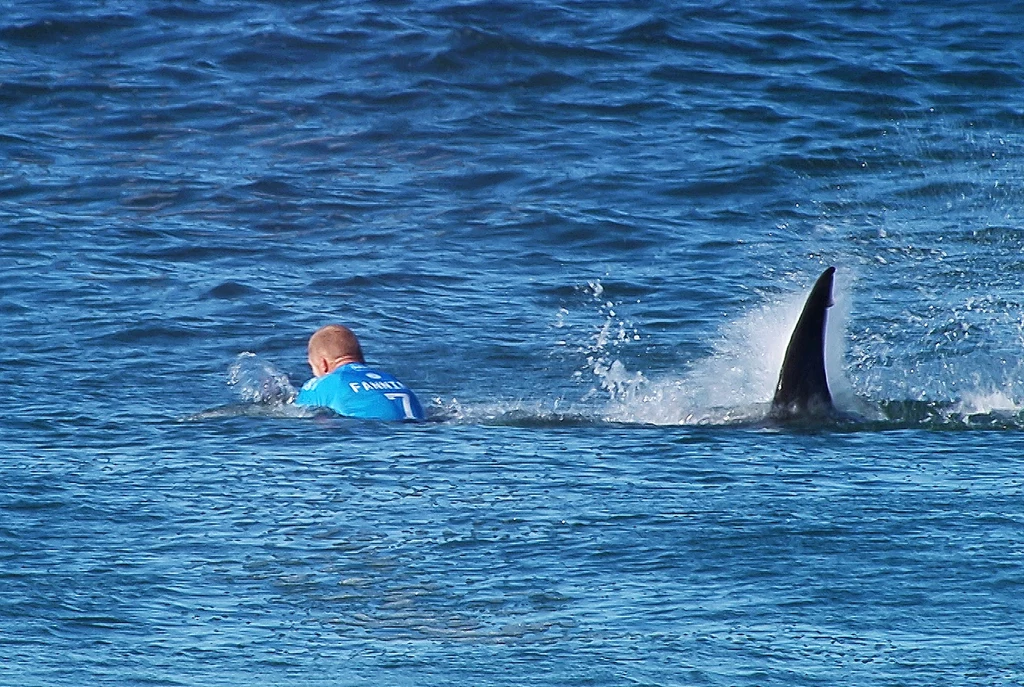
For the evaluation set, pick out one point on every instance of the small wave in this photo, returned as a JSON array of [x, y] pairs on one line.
[[940, 416], [510, 413], [56, 30], [265, 410]]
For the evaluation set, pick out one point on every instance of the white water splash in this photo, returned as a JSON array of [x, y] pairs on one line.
[[600, 346], [257, 381], [989, 402], [737, 381]]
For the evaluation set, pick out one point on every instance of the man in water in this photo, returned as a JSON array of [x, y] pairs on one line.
[[343, 382]]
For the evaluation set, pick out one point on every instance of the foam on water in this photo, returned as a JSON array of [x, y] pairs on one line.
[[517, 412], [989, 402]]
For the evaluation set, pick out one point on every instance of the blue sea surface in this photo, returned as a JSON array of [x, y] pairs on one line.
[[582, 232]]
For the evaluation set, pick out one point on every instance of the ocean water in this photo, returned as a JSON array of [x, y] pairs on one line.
[[581, 232]]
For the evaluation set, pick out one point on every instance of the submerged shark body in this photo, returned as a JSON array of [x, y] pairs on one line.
[[802, 392]]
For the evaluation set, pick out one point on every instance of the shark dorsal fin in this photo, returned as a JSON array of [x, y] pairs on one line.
[[802, 390]]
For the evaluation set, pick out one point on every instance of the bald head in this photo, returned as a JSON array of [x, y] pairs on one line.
[[331, 347]]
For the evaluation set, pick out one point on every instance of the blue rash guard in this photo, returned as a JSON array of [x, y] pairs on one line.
[[357, 390]]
